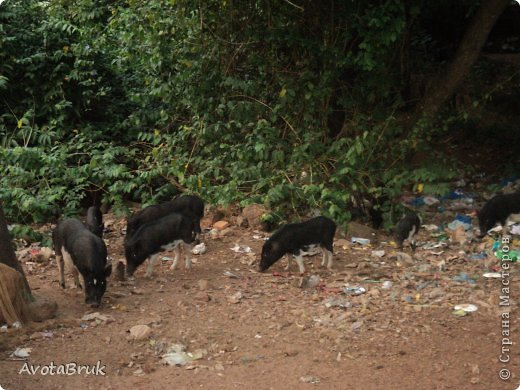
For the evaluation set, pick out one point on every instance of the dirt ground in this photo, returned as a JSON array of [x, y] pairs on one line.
[[249, 330]]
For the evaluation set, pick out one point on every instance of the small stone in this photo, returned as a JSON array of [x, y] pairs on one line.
[[140, 332], [235, 298]]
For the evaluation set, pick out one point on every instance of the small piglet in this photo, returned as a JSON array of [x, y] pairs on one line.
[[85, 254], [94, 221], [406, 229], [159, 235], [190, 206], [293, 238], [499, 209]]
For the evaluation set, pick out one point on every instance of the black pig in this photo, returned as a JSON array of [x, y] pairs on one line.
[[294, 238], [406, 229], [86, 254], [159, 235], [190, 206], [499, 209]]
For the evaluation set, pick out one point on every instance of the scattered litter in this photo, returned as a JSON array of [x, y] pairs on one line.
[[199, 249], [16, 325], [416, 202], [431, 227], [457, 222], [21, 353], [467, 307], [457, 194], [430, 200], [354, 290], [3, 328], [230, 274], [378, 253], [337, 302], [241, 249], [478, 256], [98, 317], [310, 379], [464, 277], [515, 230], [42, 255], [309, 281], [260, 237], [359, 240], [459, 235], [177, 355], [387, 285], [432, 245], [492, 275], [167, 258], [460, 313]]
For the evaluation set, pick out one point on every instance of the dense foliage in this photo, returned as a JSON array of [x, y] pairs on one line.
[[297, 107]]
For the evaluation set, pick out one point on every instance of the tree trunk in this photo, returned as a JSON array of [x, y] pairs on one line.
[[469, 49], [7, 255]]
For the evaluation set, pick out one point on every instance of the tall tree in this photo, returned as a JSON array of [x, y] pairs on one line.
[[7, 254], [467, 53]]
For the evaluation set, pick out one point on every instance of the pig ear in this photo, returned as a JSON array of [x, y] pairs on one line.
[[108, 269]]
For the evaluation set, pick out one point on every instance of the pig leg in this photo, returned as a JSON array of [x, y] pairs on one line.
[[177, 252], [187, 254], [413, 244], [505, 228], [151, 261], [61, 266], [289, 257], [325, 256], [299, 261], [75, 274], [329, 257]]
